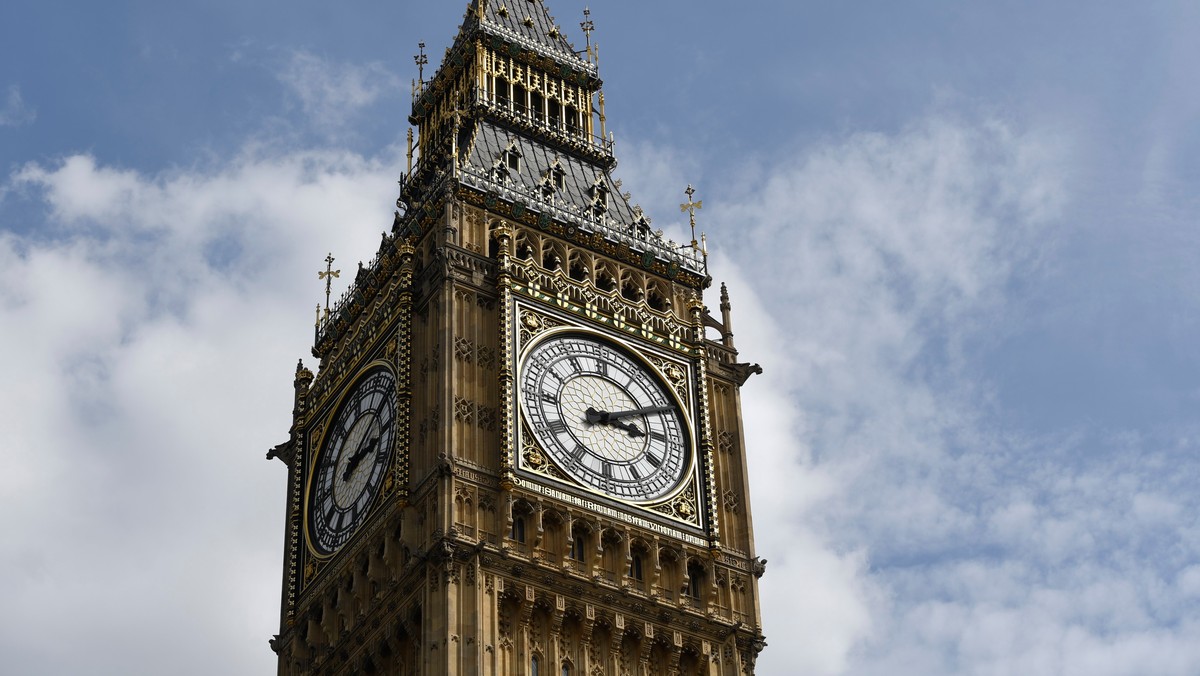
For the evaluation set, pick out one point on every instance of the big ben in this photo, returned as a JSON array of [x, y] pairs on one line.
[[522, 451]]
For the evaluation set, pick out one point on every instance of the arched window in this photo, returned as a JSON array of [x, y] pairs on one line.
[[635, 567], [696, 575], [566, 670], [518, 529], [533, 666]]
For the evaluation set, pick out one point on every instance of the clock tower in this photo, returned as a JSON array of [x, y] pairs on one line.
[[522, 453]]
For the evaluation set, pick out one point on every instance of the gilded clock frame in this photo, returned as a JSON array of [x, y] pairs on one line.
[[318, 449], [534, 323]]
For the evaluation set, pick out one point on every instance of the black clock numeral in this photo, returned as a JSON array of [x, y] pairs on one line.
[[654, 460], [602, 368], [557, 427], [549, 398]]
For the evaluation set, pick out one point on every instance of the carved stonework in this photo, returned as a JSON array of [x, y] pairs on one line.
[[486, 417], [486, 357], [533, 324], [725, 441], [464, 350], [683, 507], [675, 375], [464, 410], [731, 501]]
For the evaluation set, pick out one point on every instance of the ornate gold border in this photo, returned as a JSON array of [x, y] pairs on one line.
[[321, 431], [533, 327]]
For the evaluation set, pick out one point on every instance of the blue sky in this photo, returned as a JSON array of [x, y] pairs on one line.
[[960, 238]]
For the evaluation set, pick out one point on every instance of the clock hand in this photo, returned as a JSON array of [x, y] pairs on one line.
[[615, 415], [604, 417], [361, 453], [632, 429]]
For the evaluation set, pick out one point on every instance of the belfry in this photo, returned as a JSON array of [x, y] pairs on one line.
[[522, 452]]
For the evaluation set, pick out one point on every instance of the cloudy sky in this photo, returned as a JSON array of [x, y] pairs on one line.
[[961, 238]]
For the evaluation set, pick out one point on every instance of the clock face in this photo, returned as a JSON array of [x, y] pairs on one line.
[[353, 461], [604, 417]]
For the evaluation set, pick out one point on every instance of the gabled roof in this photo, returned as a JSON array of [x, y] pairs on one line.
[[528, 23]]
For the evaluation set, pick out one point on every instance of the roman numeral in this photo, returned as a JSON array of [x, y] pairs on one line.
[[557, 427], [549, 398], [658, 436], [602, 368], [579, 451], [657, 462]]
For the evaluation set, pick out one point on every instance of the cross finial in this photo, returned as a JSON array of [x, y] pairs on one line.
[[588, 27], [422, 61], [329, 275], [691, 208]]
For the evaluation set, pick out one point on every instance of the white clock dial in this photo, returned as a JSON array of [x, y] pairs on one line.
[[604, 417], [353, 461]]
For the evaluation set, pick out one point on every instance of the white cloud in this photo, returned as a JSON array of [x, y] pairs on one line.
[[332, 93], [15, 112], [160, 319], [870, 272]]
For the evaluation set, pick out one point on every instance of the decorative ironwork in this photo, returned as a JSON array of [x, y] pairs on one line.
[[421, 60], [329, 275], [691, 208]]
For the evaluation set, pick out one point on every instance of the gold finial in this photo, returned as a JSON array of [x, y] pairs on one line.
[[410, 149], [603, 119], [588, 26], [329, 275], [422, 61], [691, 208], [318, 322]]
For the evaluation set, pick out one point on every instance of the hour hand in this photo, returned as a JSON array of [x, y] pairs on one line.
[[595, 417], [628, 427], [362, 452]]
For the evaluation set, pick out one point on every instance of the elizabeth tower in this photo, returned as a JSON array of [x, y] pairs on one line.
[[522, 452]]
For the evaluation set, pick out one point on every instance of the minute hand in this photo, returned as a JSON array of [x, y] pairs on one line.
[[595, 416]]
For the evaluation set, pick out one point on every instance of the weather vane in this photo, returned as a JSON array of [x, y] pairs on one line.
[[329, 275], [422, 61], [691, 208]]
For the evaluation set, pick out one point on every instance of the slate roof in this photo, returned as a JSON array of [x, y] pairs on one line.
[[528, 22], [574, 202]]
